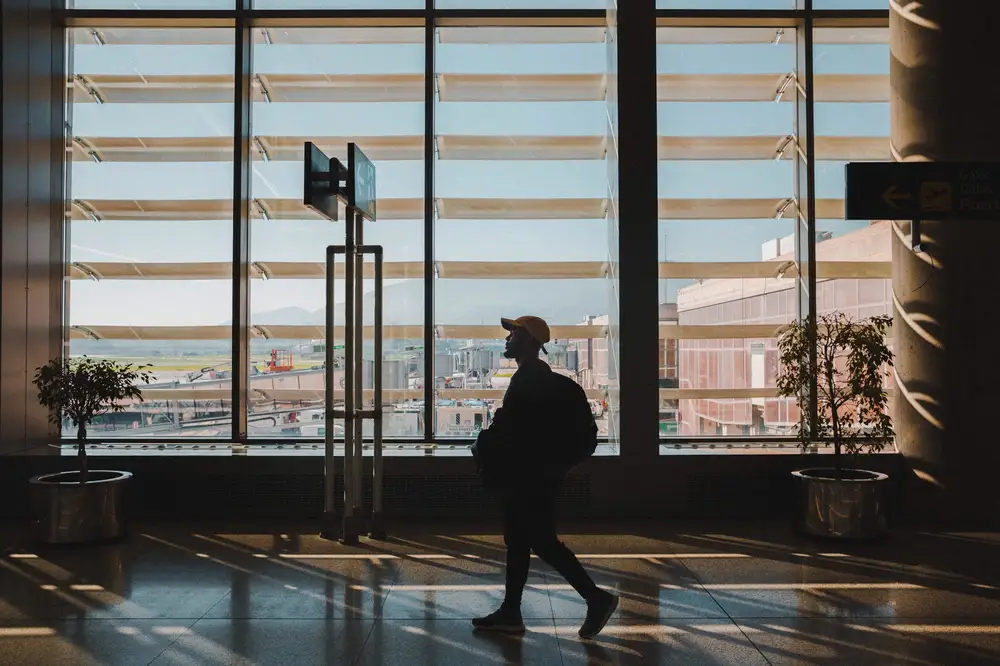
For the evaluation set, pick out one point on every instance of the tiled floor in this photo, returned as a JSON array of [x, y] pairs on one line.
[[691, 594]]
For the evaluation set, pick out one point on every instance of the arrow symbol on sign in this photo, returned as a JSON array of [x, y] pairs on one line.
[[891, 196]]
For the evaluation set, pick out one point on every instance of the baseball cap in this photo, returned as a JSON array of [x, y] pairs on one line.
[[535, 326]]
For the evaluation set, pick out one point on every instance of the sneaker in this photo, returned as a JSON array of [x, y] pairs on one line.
[[599, 612], [503, 620]]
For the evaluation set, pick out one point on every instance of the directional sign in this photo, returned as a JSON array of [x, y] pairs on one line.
[[361, 182], [922, 191], [319, 183]]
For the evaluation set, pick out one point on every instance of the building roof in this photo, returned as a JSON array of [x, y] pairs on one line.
[[861, 254]]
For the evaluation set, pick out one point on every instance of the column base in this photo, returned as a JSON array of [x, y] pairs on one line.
[[330, 526], [349, 534], [376, 529]]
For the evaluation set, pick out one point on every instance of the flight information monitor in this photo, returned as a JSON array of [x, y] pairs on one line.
[[360, 182], [320, 181]]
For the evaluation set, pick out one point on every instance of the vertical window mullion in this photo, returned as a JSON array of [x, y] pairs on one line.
[[243, 72], [430, 342], [805, 248]]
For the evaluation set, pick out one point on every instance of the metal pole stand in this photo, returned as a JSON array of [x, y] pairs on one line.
[[348, 533], [354, 412], [330, 525], [376, 530]]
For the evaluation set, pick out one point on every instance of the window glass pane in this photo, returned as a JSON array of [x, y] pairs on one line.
[[726, 119], [521, 204], [725, 4], [339, 4], [150, 238], [521, 4], [150, 4], [613, 407], [855, 129], [332, 86], [851, 4]]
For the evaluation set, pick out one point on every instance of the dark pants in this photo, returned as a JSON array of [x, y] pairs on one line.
[[529, 524]]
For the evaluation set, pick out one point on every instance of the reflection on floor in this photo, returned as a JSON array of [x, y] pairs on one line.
[[691, 594]]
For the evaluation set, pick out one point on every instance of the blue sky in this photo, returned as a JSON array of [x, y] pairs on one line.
[[206, 302]]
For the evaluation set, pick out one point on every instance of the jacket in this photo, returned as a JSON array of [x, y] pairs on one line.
[[521, 448]]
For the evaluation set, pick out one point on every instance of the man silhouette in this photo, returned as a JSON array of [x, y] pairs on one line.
[[528, 468]]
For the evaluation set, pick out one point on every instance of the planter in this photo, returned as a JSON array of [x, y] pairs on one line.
[[851, 508], [67, 511]]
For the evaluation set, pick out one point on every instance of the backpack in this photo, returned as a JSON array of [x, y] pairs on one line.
[[492, 465], [577, 429], [556, 411]]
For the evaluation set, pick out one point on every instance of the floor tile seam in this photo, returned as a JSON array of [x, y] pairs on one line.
[[732, 620], [552, 611], [225, 596], [178, 636], [559, 640], [755, 646], [191, 626], [398, 571], [704, 589], [379, 616], [548, 595], [212, 607], [743, 631], [364, 644]]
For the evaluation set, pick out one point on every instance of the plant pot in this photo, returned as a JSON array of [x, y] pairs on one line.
[[851, 508], [67, 511]]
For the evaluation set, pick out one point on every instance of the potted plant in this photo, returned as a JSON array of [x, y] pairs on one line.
[[850, 368], [82, 505]]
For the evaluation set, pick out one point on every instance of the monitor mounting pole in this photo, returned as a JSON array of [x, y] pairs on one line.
[[320, 187]]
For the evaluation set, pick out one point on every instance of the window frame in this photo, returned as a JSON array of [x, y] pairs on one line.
[[242, 18]]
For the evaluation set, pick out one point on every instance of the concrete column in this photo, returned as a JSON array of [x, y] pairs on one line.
[[945, 85]]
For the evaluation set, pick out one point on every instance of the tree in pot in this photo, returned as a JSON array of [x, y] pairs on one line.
[[849, 370], [79, 389]]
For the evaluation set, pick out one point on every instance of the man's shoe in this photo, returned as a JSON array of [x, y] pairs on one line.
[[503, 621], [599, 611]]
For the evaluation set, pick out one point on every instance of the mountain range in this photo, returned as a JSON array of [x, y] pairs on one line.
[[469, 302], [480, 302]]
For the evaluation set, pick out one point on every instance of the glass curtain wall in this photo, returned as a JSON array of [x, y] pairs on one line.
[[854, 258], [151, 218], [522, 204], [333, 86], [852, 125], [727, 150], [520, 210], [730, 264]]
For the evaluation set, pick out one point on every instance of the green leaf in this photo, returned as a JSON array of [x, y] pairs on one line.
[[82, 388], [849, 369]]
